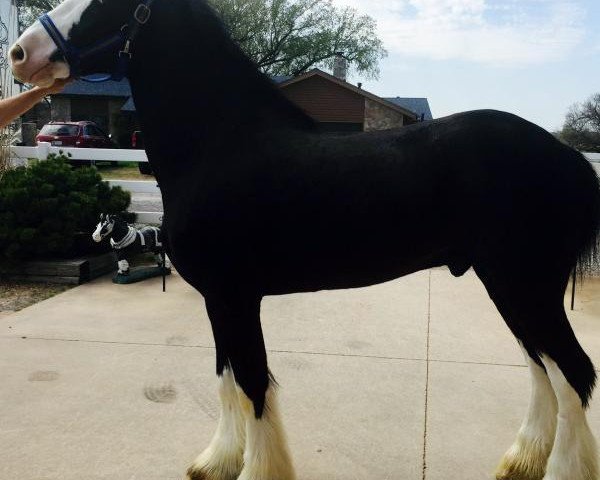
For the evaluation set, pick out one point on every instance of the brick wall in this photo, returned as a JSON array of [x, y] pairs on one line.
[[380, 117]]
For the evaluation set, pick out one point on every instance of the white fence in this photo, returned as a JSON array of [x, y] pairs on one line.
[[20, 155]]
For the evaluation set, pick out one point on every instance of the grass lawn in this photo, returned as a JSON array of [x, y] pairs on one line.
[[124, 171]]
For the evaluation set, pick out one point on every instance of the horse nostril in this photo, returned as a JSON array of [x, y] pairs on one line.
[[17, 54]]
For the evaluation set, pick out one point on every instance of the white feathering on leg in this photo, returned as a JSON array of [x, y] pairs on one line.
[[526, 458], [574, 455], [223, 458], [267, 456]]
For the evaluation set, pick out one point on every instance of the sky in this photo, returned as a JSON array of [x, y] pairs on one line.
[[534, 58]]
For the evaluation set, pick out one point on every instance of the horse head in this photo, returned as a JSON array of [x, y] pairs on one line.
[[79, 37], [105, 226]]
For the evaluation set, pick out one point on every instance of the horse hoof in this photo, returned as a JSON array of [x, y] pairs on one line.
[[195, 475], [200, 474], [508, 470]]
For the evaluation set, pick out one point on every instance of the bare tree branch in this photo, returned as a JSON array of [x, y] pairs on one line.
[[581, 129]]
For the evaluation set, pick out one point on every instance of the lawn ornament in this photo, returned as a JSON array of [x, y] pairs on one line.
[[127, 242]]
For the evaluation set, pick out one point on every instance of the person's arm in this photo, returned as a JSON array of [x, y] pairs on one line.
[[13, 107]]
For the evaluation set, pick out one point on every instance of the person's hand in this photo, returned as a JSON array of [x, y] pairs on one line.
[[57, 86]]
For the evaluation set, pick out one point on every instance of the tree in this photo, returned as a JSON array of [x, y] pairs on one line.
[[30, 10], [286, 37], [581, 129]]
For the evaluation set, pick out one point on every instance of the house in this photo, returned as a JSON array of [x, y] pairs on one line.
[[339, 106], [101, 103], [336, 105], [420, 106]]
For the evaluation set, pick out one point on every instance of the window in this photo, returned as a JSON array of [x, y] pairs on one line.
[[59, 130]]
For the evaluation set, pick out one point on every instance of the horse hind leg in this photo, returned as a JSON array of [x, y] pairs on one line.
[[526, 458], [574, 454], [532, 307]]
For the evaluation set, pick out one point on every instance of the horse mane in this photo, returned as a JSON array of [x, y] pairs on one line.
[[247, 74]]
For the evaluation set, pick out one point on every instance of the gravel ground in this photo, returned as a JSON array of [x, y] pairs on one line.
[[15, 296]]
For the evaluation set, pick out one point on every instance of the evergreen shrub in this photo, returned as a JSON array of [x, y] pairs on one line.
[[47, 207]]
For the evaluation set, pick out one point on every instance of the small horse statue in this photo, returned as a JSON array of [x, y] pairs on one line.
[[128, 241]]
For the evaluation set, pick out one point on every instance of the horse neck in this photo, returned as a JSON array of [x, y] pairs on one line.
[[197, 93]]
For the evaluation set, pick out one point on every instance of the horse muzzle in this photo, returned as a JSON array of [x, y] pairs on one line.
[[31, 58]]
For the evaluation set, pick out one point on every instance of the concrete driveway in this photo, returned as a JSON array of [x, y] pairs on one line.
[[417, 378]]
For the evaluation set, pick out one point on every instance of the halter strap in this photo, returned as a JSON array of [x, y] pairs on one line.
[[125, 37], [126, 240]]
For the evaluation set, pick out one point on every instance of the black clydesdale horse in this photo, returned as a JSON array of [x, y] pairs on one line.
[[258, 203]]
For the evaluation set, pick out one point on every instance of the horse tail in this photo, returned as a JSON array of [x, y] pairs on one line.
[[588, 260]]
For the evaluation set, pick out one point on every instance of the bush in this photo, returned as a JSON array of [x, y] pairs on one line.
[[45, 207]]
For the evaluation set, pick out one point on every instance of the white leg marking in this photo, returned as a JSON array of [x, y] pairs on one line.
[[526, 458], [223, 458], [574, 455], [123, 266], [267, 456]]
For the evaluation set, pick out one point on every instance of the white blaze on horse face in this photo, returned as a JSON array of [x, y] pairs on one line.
[[574, 455], [528, 456], [32, 63], [224, 456], [108, 224], [97, 235], [266, 455]]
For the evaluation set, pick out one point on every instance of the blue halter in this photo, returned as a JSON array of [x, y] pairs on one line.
[[76, 57]]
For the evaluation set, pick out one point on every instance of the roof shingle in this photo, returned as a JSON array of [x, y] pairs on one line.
[[418, 105], [104, 89]]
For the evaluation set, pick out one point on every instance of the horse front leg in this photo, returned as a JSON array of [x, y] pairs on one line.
[[250, 443], [223, 458]]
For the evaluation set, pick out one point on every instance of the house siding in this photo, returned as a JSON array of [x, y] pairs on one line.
[[326, 101]]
